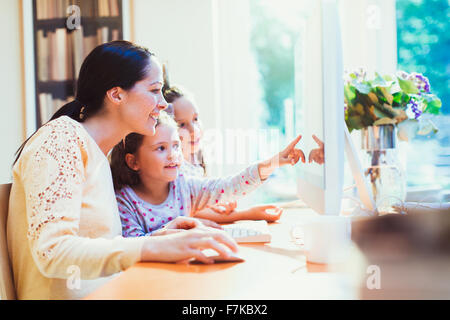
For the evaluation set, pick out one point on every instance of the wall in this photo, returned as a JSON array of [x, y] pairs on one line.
[[180, 33], [206, 45], [369, 34], [11, 107]]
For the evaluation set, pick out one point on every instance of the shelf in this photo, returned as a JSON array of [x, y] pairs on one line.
[[52, 24], [58, 52], [66, 86]]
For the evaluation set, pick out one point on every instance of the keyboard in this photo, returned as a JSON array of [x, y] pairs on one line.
[[245, 231]]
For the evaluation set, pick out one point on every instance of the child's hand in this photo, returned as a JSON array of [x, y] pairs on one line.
[[290, 155], [270, 213], [317, 155], [224, 208]]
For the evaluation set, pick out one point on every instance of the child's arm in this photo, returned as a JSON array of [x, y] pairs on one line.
[[208, 192], [212, 191], [290, 155], [132, 226], [269, 213]]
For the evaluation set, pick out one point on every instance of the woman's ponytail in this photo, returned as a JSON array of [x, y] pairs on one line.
[[72, 109]]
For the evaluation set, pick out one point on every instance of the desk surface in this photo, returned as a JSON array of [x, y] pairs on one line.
[[276, 270]]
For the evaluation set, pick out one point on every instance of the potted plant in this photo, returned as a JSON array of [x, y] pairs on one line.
[[385, 108]]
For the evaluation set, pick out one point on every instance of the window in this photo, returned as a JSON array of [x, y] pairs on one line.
[[423, 43]]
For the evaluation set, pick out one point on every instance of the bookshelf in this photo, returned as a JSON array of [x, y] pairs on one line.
[[60, 34]]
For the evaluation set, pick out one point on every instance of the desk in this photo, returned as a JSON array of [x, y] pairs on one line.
[[276, 270]]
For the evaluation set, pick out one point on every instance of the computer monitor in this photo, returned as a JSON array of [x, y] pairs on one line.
[[319, 100], [319, 105]]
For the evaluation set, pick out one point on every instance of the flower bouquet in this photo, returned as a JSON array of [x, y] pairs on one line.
[[383, 108], [391, 99]]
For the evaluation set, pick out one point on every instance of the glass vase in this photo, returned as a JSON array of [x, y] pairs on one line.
[[382, 169]]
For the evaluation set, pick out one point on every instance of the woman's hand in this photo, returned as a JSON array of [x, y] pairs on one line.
[[224, 208], [182, 246], [290, 155], [182, 223], [270, 213], [317, 155]]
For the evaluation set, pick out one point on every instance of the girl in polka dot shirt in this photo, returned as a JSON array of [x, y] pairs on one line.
[[151, 192]]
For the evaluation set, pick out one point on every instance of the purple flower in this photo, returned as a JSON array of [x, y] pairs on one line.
[[414, 108], [422, 82]]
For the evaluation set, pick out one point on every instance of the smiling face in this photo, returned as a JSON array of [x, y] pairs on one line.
[[159, 156], [143, 102], [190, 128]]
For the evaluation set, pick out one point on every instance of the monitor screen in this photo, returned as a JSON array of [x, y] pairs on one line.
[[309, 91], [319, 107]]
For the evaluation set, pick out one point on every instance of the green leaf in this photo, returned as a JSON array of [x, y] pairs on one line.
[[349, 93], [379, 81], [400, 99], [387, 97], [433, 107], [380, 114], [407, 86], [361, 87], [354, 122]]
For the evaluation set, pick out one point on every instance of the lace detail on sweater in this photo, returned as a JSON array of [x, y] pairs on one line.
[[56, 173]]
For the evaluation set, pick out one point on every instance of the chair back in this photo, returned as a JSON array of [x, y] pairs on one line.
[[7, 290]]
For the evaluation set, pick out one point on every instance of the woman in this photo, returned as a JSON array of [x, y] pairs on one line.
[[63, 219]]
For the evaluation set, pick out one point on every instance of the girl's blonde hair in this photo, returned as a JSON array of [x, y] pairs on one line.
[[122, 174]]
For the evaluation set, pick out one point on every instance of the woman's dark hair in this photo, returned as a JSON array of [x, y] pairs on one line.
[[172, 93], [122, 174], [113, 64]]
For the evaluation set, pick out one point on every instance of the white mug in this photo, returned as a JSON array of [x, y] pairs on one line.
[[325, 238]]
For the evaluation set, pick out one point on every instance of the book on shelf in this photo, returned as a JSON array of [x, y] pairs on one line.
[[54, 55], [48, 105], [108, 8], [115, 34], [102, 34], [54, 9], [43, 55], [78, 50], [60, 54]]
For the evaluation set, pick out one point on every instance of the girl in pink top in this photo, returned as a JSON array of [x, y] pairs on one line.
[[186, 114], [151, 191]]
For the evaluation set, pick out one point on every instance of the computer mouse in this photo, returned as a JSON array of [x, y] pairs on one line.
[[232, 256]]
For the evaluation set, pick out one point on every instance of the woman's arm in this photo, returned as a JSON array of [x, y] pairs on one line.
[[183, 246], [52, 173]]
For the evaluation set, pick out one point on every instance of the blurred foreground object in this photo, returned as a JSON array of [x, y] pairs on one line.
[[407, 256]]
